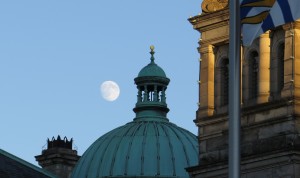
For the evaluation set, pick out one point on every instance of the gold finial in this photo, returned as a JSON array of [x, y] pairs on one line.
[[152, 48], [152, 53]]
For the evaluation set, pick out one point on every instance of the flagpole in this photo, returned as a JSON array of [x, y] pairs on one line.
[[234, 89]]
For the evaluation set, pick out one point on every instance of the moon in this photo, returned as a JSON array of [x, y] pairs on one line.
[[110, 90]]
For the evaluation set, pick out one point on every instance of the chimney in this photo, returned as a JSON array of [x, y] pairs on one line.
[[59, 158]]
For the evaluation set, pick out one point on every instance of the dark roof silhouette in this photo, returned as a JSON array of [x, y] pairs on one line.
[[14, 167]]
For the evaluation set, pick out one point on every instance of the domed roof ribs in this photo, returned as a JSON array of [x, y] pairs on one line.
[[183, 146], [107, 137], [117, 150], [189, 139], [129, 147], [171, 148], [143, 149], [86, 162], [98, 154], [158, 148]]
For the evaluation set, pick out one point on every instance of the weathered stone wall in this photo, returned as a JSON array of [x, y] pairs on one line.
[[270, 143], [270, 120]]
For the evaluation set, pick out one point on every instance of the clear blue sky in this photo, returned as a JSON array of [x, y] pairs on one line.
[[55, 54]]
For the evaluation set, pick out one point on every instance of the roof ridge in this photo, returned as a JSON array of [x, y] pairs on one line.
[[26, 163]]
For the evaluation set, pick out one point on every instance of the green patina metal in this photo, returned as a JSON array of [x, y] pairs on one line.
[[152, 69], [152, 84], [149, 146]]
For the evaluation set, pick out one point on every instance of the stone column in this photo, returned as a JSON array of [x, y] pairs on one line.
[[296, 65], [296, 46], [264, 68], [206, 84], [292, 64]]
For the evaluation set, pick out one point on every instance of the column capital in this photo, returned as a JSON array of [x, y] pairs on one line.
[[265, 35], [206, 48], [292, 25]]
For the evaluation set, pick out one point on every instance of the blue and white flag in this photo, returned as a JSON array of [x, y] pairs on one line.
[[258, 16]]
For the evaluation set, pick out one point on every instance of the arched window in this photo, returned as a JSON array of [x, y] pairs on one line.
[[277, 71], [250, 76], [221, 79], [277, 64]]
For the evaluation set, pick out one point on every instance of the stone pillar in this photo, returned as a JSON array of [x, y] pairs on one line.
[[292, 64], [296, 67], [264, 68], [291, 88], [206, 84]]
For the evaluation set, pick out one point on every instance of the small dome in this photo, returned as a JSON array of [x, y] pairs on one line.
[[140, 149], [152, 69]]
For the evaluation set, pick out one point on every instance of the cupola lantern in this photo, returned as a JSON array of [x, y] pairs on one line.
[[151, 83]]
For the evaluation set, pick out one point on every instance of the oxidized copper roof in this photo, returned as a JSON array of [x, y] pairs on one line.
[[150, 145], [140, 148]]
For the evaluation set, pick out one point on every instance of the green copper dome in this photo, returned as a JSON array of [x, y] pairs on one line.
[[140, 149], [152, 69], [148, 147]]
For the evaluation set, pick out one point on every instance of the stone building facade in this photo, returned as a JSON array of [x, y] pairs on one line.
[[270, 92]]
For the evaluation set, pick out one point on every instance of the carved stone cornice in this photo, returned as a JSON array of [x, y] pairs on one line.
[[292, 25], [210, 21]]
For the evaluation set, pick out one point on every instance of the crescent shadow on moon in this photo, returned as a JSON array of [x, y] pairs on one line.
[[110, 90]]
